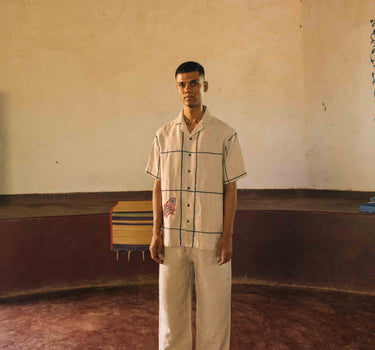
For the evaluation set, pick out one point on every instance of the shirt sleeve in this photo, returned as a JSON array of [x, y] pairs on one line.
[[153, 164], [233, 167]]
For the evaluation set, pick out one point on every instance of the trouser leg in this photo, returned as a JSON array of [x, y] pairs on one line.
[[175, 287], [213, 294]]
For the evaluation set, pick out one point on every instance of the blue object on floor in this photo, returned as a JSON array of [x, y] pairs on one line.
[[368, 207]]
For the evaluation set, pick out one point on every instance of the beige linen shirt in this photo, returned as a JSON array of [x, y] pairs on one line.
[[193, 168]]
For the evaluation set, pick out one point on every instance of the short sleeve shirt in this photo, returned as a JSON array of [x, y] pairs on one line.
[[193, 169]]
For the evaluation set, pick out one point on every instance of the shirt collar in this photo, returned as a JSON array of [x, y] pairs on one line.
[[206, 119]]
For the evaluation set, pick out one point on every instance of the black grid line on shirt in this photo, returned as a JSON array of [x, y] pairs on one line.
[[225, 164], [195, 186], [155, 176], [183, 229], [234, 178], [207, 192], [179, 151], [182, 162], [232, 137]]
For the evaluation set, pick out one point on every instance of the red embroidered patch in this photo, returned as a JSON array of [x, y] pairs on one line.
[[169, 207]]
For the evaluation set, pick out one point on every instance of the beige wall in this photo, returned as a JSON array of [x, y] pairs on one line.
[[85, 84], [340, 100]]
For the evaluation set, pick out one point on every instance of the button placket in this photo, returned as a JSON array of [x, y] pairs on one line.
[[189, 184], [190, 163]]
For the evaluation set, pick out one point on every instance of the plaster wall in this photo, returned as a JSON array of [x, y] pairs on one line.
[[340, 99], [85, 84]]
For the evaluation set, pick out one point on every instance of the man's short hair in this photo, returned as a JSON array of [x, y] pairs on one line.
[[190, 66]]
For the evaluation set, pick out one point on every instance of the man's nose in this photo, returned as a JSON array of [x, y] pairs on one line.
[[187, 87]]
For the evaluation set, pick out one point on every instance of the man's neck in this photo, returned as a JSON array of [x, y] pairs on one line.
[[193, 114]]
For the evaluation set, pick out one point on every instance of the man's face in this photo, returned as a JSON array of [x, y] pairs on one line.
[[190, 88]]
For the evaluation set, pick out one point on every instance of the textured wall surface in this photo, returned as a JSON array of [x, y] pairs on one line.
[[340, 103], [84, 86]]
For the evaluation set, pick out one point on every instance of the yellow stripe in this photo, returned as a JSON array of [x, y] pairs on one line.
[[133, 206], [132, 234]]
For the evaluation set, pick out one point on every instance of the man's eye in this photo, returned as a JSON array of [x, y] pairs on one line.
[[181, 85], [194, 83]]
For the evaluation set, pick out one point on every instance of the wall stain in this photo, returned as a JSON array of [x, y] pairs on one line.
[[324, 106]]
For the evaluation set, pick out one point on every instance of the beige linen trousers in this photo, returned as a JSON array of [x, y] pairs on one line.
[[183, 267]]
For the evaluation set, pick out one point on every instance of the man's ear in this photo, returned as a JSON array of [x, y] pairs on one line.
[[205, 86]]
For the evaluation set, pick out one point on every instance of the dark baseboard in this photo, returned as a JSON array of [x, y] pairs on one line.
[[77, 196], [323, 248], [243, 194], [304, 193]]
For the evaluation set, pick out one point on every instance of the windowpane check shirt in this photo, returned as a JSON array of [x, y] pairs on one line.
[[193, 169]]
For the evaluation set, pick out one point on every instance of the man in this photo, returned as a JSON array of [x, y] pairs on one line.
[[195, 160]]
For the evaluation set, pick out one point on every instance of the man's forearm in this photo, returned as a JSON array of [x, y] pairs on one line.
[[157, 207], [230, 205]]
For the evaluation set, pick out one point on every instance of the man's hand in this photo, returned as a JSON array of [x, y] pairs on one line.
[[156, 248], [224, 249], [156, 245]]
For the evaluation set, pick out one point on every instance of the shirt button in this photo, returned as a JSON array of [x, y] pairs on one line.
[[188, 205], [190, 138], [187, 220], [188, 188], [189, 154], [188, 171]]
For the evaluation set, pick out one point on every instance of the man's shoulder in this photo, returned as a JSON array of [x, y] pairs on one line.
[[220, 126], [167, 127]]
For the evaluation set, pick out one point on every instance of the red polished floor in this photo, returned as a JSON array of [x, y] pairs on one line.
[[263, 317]]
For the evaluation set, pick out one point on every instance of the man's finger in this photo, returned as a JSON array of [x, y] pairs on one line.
[[225, 257], [218, 253], [220, 257], [156, 254], [157, 258], [222, 261]]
